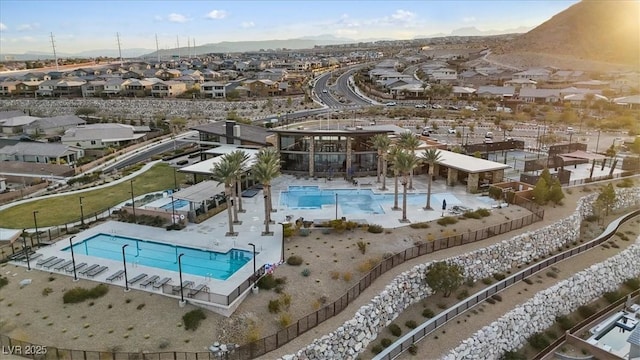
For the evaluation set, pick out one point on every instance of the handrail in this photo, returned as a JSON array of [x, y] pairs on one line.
[[415, 335]]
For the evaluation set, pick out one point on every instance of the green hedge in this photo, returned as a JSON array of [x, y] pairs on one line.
[[79, 294]]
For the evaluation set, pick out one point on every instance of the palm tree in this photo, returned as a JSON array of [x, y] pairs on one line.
[[265, 169], [225, 172], [381, 143], [430, 156], [392, 157], [405, 162], [240, 158], [410, 142]]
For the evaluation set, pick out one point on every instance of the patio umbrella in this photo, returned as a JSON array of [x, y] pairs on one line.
[[444, 206]]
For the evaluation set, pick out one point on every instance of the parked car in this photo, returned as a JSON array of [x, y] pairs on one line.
[[472, 108], [452, 131], [421, 106], [391, 103], [436, 106], [452, 107], [488, 140], [182, 162], [324, 91]]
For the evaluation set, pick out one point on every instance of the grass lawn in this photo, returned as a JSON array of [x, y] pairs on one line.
[[63, 209]]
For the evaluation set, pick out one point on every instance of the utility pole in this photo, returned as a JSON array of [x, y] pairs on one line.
[[178, 46], [157, 49], [55, 56], [119, 49]]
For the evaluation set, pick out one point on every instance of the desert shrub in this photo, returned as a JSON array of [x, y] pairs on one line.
[[79, 294], [483, 212], [626, 183], [411, 324], [487, 281], [294, 260], [284, 320], [395, 330], [419, 225], [496, 297], [267, 282], [633, 283], [335, 275], [528, 281], [538, 341], [377, 349], [471, 215], [428, 313], [306, 272], [552, 274], [591, 218], [564, 322], [499, 276], [367, 265], [611, 296], [385, 342], [375, 229], [140, 306], [413, 349], [585, 311], [513, 355], [491, 301], [463, 294], [362, 246], [47, 291], [193, 318], [274, 306], [447, 220], [347, 276]]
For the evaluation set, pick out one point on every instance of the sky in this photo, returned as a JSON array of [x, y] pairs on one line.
[[26, 25]]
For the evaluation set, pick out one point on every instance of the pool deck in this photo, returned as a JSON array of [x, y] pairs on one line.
[[210, 234]]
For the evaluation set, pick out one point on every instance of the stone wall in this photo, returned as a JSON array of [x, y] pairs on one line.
[[511, 331], [408, 288]]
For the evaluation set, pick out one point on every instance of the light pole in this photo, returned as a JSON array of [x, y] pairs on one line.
[[73, 258], [173, 211], [26, 251], [336, 206], [570, 136], [175, 180], [81, 212], [254, 264], [598, 141], [133, 202], [284, 225], [180, 271], [35, 222], [124, 263]]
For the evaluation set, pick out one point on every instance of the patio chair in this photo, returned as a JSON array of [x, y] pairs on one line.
[[78, 267], [149, 281], [52, 263], [185, 284], [201, 287], [137, 278], [63, 265], [85, 270], [97, 271], [41, 262], [115, 276], [161, 283]]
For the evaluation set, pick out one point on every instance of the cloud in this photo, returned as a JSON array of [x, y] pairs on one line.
[[3, 26], [158, 18], [28, 27], [217, 14], [469, 19], [346, 21], [177, 18], [403, 16], [247, 24]]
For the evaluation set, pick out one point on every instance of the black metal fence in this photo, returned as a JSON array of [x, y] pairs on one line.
[[429, 326], [283, 336]]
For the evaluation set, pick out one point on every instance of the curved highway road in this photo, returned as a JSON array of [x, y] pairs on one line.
[[342, 86], [323, 92]]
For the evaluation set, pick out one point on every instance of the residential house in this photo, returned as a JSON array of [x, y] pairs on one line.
[[496, 92], [16, 124], [593, 84], [93, 88], [272, 74], [36, 76], [412, 90], [473, 78], [113, 87], [69, 87], [168, 74], [462, 92], [168, 89], [256, 65], [261, 87], [53, 125], [190, 80], [443, 75], [41, 152], [138, 88], [561, 76], [100, 136], [132, 74], [8, 87], [213, 90], [631, 102], [533, 74], [521, 83], [539, 96], [580, 99], [27, 88], [46, 88], [210, 75]]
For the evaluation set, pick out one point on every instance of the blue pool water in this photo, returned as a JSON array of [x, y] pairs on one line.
[[177, 204], [164, 256], [353, 201]]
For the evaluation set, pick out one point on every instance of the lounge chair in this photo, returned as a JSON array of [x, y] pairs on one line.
[[137, 278], [89, 268], [53, 263], [41, 262], [161, 283], [78, 267], [185, 285], [97, 271], [116, 276], [149, 281], [193, 292], [32, 256], [63, 265]]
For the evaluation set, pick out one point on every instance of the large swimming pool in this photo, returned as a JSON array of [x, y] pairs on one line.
[[164, 256], [353, 201], [177, 204]]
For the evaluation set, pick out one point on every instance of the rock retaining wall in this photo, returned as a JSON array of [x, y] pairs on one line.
[[408, 288]]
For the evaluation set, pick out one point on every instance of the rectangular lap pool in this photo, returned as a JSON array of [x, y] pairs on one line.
[[352, 201], [164, 256], [177, 204]]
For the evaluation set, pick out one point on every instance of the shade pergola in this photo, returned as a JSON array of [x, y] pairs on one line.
[[201, 191], [581, 155]]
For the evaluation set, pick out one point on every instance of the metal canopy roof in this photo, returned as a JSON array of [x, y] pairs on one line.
[[201, 191]]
